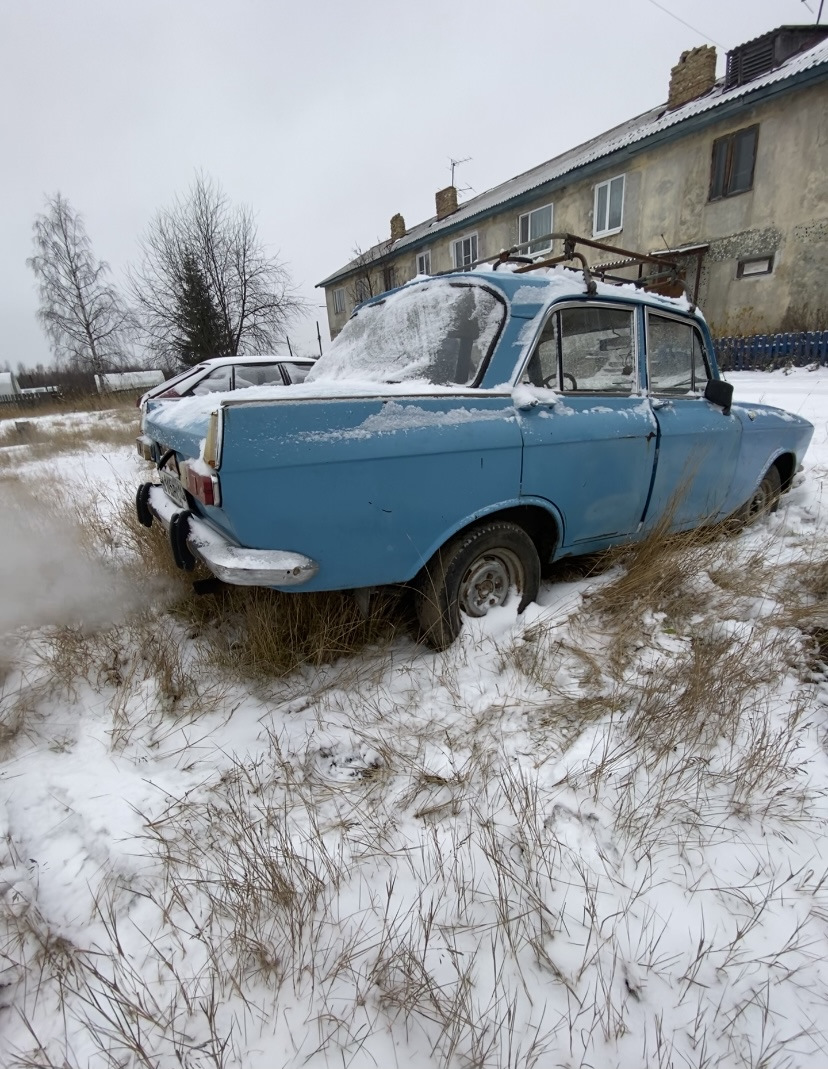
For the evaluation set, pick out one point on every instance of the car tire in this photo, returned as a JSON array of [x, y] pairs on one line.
[[765, 498], [473, 573], [179, 529], [142, 508]]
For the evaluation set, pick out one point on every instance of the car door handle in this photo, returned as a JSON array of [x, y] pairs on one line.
[[661, 402]]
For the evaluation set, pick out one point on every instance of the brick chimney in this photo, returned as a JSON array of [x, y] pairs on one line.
[[397, 227], [693, 76], [446, 201]]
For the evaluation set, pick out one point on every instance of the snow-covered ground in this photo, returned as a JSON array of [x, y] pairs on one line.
[[594, 835]]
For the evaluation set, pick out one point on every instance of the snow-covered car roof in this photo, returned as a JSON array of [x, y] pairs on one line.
[[271, 358]]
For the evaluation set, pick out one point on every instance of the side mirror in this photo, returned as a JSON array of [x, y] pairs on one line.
[[719, 393]]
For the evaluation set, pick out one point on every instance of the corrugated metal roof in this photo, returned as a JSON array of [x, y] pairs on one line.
[[627, 133]]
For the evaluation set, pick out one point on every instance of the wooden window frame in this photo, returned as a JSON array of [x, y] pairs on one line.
[[729, 143]]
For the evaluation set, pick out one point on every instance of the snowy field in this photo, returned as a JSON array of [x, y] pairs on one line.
[[594, 835]]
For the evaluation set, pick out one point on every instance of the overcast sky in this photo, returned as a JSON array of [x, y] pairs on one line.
[[325, 117]]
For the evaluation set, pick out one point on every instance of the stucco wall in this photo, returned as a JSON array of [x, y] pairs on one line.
[[666, 204]]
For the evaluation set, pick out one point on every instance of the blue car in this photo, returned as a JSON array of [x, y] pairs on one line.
[[460, 433]]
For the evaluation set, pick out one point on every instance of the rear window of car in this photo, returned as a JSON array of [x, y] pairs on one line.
[[439, 332]]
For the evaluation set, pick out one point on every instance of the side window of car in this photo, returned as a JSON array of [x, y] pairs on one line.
[[675, 356], [215, 382], [597, 349], [701, 367], [257, 375], [542, 369], [295, 372]]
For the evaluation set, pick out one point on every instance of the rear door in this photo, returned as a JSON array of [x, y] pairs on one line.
[[589, 447], [698, 444]]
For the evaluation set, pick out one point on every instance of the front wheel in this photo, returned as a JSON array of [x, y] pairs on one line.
[[765, 498], [473, 573]]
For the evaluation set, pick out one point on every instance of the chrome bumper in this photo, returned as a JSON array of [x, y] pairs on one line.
[[234, 564]]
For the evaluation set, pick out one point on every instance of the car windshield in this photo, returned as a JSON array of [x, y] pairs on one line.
[[439, 332]]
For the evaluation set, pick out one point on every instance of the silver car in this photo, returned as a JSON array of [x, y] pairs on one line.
[[222, 373]]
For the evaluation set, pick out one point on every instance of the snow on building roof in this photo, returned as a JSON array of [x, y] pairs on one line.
[[649, 124]]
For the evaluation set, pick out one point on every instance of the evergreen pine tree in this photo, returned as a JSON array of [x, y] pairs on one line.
[[200, 329]]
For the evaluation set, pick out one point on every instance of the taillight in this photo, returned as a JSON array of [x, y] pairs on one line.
[[203, 485], [146, 448], [211, 442]]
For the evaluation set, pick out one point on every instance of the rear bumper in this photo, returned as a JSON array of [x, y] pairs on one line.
[[230, 563]]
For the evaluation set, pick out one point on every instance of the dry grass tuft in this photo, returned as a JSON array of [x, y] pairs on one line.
[[258, 632], [93, 402], [659, 574]]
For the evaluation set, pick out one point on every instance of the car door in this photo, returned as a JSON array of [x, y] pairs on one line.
[[589, 446], [698, 443]]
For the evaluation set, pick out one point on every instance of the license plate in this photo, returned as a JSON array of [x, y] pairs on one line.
[[173, 489]]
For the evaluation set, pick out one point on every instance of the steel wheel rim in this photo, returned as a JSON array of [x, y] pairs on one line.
[[488, 580], [760, 502]]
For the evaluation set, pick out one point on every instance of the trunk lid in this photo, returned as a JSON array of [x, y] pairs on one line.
[[180, 426]]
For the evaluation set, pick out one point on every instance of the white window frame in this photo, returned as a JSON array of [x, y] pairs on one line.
[[424, 262], [473, 255], [598, 231], [339, 301], [538, 246]]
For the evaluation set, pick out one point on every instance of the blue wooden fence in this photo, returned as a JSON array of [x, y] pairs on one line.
[[765, 351]]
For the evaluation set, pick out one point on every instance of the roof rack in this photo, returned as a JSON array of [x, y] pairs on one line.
[[665, 272]]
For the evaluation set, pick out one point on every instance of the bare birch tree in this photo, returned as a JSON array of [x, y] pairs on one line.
[[82, 313], [249, 291]]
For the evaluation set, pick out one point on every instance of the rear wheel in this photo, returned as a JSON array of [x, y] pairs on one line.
[[142, 504], [179, 529], [473, 573]]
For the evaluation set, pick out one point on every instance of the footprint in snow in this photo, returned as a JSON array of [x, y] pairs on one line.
[[340, 765]]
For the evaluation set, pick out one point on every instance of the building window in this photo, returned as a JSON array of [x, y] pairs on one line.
[[424, 263], [389, 277], [755, 265], [608, 213], [536, 224], [734, 157], [362, 289], [465, 252], [338, 302]]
